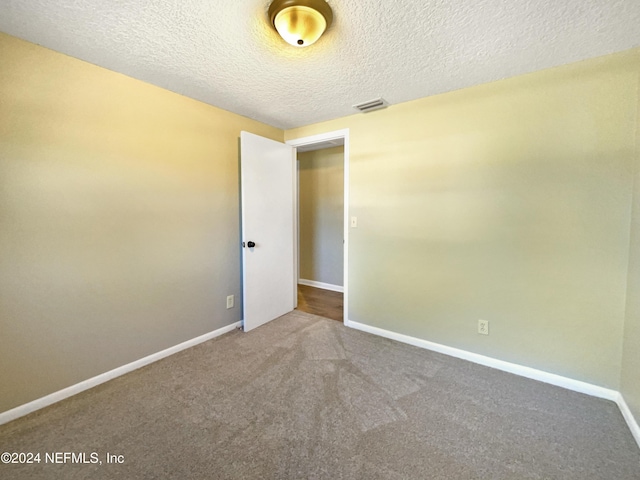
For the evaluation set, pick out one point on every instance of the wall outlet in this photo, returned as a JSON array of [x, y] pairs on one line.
[[230, 301], [483, 327]]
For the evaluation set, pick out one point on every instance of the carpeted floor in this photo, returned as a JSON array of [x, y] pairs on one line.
[[307, 398]]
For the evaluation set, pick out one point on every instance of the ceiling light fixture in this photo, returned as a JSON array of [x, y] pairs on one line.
[[300, 22]]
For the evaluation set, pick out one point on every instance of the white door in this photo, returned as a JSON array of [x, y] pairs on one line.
[[267, 191]]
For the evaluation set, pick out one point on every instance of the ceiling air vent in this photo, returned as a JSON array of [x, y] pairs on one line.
[[371, 105]]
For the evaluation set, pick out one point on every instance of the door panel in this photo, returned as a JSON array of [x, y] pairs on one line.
[[267, 190]]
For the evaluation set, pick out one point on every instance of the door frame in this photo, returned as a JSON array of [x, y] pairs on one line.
[[311, 140]]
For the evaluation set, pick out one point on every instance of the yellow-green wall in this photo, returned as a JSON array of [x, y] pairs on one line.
[[508, 202], [321, 214], [119, 224], [630, 384]]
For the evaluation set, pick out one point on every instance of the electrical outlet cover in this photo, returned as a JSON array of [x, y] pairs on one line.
[[483, 327]]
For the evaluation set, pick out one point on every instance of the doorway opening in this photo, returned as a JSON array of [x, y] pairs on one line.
[[320, 175], [322, 224]]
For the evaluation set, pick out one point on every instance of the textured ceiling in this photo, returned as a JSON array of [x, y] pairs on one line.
[[223, 52]]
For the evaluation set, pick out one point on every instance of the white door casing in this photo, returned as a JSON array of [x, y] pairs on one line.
[[267, 173], [314, 140]]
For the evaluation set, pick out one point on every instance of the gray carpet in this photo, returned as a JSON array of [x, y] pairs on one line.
[[307, 398]]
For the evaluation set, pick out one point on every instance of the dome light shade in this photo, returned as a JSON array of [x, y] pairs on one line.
[[300, 22]]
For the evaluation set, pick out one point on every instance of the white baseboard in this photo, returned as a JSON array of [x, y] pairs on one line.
[[629, 418], [324, 286], [516, 369], [52, 398], [553, 379]]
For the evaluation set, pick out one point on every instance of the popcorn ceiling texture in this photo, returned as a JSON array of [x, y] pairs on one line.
[[225, 53]]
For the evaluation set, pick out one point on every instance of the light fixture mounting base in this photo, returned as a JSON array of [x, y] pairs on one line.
[[319, 5]]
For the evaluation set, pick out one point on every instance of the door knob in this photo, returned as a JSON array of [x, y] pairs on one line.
[[251, 244]]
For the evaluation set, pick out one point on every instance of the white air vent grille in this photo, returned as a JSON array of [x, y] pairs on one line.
[[371, 105]]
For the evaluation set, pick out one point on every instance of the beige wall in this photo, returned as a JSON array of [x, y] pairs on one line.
[[508, 202], [321, 190], [119, 225], [630, 381]]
